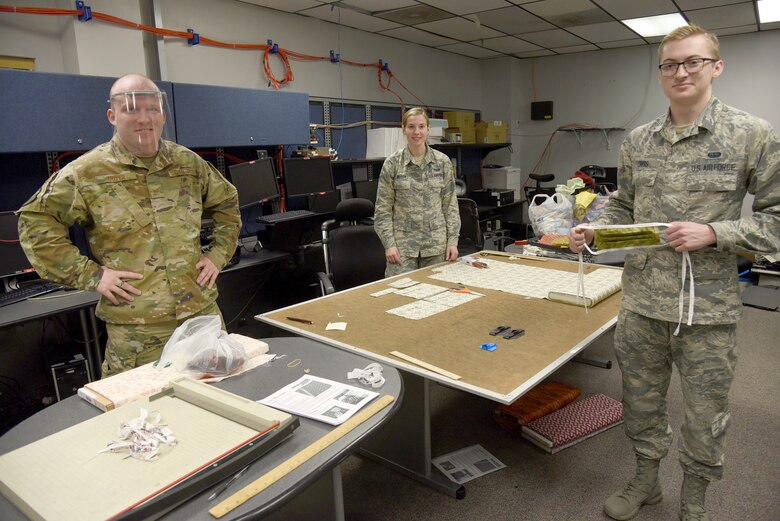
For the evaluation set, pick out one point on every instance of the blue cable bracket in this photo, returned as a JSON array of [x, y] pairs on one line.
[[274, 47], [334, 58], [86, 11], [194, 39]]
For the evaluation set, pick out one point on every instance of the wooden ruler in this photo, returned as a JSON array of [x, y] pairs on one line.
[[426, 365], [275, 474]]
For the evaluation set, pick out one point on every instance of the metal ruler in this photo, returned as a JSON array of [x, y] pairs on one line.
[[275, 474]]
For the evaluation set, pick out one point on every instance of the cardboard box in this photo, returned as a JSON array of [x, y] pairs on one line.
[[383, 142], [469, 135], [460, 119], [492, 131], [503, 177]]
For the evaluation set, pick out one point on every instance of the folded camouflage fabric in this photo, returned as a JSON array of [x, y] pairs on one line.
[[611, 238]]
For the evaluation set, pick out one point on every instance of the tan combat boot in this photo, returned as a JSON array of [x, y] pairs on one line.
[[692, 498], [644, 489]]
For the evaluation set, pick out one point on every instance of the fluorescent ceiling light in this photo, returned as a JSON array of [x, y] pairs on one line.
[[656, 25], [769, 11]]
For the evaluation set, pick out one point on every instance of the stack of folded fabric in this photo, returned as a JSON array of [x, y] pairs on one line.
[[573, 423], [542, 399]]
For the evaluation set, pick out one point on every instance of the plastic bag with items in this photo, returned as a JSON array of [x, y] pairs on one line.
[[550, 214], [199, 346]]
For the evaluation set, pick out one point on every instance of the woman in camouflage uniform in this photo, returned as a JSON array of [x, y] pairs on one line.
[[416, 213]]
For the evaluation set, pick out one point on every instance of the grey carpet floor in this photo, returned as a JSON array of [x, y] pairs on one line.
[[573, 484]]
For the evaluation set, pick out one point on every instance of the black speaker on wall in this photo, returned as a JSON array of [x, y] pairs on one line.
[[541, 110]]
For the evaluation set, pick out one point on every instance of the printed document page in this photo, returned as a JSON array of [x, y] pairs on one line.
[[320, 399]]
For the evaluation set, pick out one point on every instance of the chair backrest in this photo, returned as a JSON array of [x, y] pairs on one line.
[[471, 239], [355, 254]]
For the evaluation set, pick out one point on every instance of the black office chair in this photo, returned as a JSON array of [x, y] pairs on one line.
[[353, 253], [471, 239], [531, 191]]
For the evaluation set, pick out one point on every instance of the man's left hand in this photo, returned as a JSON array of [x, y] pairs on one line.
[[688, 236], [451, 254], [208, 272]]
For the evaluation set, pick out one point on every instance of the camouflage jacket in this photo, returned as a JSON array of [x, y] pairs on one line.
[[146, 221], [416, 207], [700, 176]]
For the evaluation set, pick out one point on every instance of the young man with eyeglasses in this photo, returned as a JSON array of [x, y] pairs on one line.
[[691, 168]]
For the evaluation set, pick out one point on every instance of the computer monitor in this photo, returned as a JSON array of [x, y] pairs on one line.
[[365, 189], [13, 261], [305, 176], [255, 181]]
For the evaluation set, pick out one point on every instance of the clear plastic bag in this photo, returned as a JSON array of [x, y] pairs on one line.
[[199, 346], [551, 215]]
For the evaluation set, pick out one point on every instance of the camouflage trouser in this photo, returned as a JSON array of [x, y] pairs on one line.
[[412, 263], [705, 356], [131, 345]]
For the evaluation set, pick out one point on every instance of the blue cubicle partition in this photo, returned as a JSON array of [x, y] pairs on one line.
[[209, 116], [52, 112]]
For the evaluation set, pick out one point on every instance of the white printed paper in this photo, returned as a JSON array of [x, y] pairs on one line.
[[320, 399], [466, 464]]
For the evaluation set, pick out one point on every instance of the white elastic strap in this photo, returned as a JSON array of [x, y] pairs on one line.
[[687, 268], [581, 281], [371, 375]]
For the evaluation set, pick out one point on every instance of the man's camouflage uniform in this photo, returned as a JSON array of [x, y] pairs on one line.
[[701, 175], [417, 209], [137, 218]]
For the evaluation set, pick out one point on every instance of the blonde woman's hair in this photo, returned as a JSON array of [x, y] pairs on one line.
[[686, 31], [416, 111]]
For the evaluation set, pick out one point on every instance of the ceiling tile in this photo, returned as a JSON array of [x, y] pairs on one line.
[[554, 38], [513, 20], [738, 30], [467, 6], [604, 32], [349, 18], [509, 45], [291, 6], [411, 34], [568, 13], [469, 50], [622, 43], [415, 15], [575, 48], [460, 29], [627, 9], [373, 6], [701, 4], [727, 16], [534, 54]]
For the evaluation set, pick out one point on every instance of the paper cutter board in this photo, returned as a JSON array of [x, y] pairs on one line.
[[61, 477]]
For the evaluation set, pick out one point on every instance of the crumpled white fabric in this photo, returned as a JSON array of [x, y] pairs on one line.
[[371, 375]]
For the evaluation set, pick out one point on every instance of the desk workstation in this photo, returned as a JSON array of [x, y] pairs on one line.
[[445, 348], [311, 490]]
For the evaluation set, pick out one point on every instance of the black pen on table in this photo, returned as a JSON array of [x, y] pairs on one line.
[[227, 483], [301, 320]]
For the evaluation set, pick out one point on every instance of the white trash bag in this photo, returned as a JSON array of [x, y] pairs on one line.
[[551, 215], [199, 346]]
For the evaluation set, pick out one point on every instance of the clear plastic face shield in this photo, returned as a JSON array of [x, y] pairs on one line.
[[140, 118]]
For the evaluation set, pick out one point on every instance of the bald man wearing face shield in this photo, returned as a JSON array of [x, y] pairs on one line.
[[140, 199]]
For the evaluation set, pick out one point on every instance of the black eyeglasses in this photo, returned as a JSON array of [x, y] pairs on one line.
[[692, 65]]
